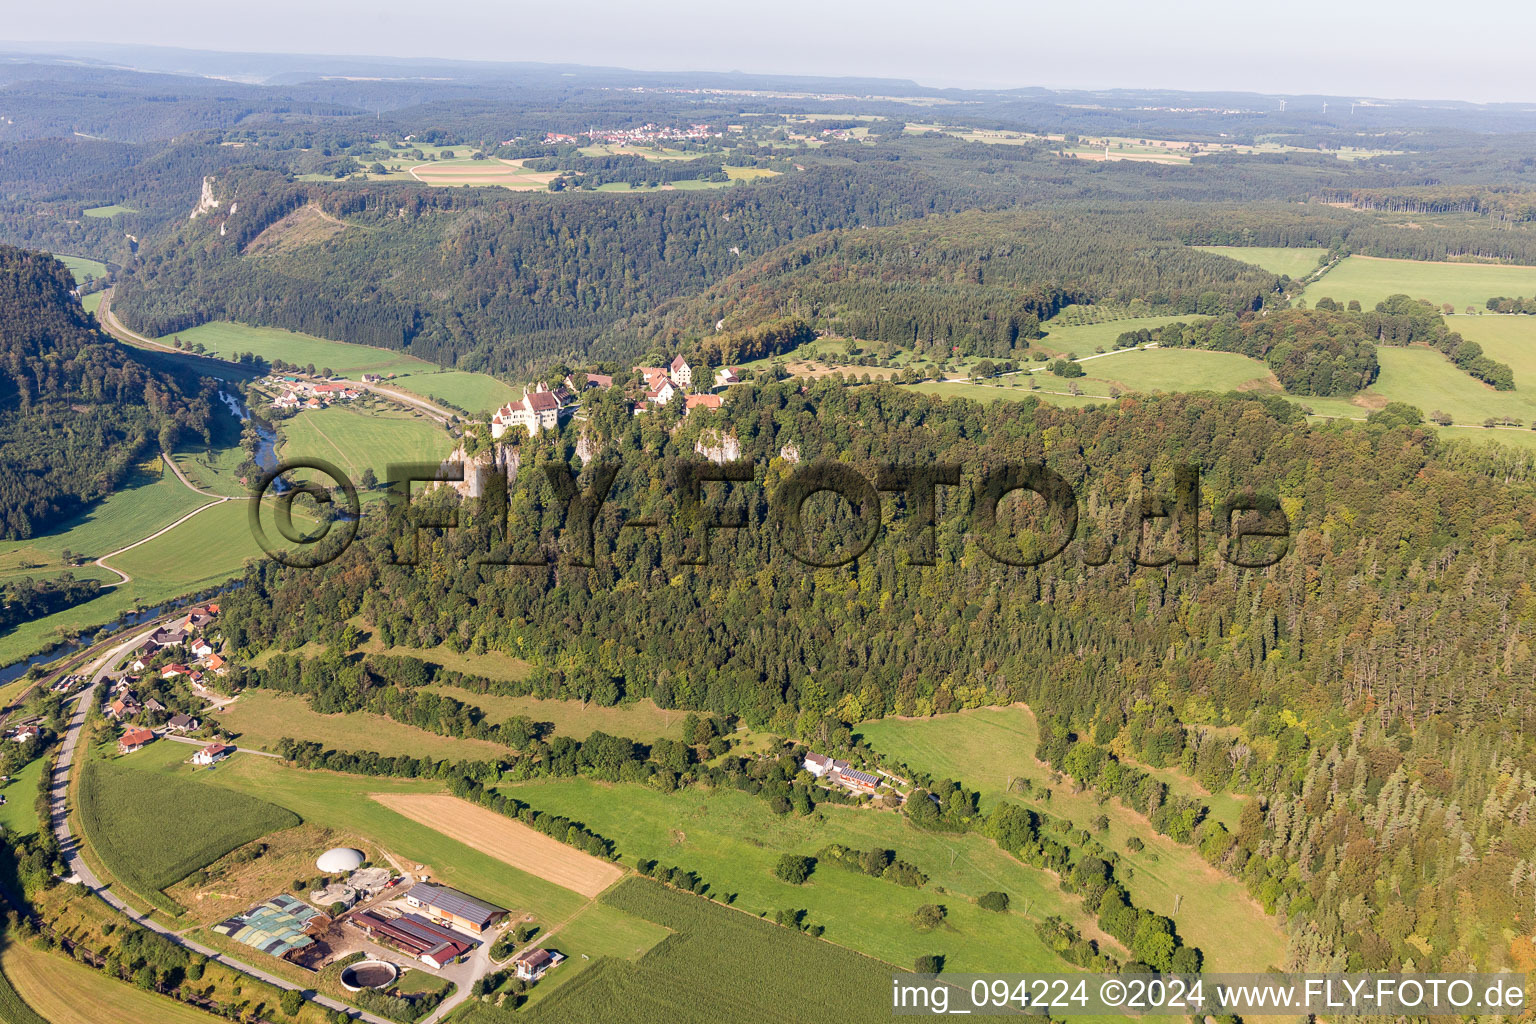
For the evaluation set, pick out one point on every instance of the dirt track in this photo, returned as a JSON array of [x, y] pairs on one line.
[[510, 842]]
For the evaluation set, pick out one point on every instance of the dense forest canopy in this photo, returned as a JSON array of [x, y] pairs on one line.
[[77, 409], [1387, 642]]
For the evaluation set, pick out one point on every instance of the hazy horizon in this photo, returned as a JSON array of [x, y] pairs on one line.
[[1367, 49]]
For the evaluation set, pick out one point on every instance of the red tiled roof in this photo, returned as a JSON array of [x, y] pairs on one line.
[[136, 737], [542, 401]]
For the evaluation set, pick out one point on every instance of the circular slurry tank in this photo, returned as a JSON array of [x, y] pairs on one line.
[[368, 974]]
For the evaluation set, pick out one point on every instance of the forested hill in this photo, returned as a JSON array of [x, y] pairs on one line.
[[977, 282], [487, 280], [1373, 689], [77, 409]]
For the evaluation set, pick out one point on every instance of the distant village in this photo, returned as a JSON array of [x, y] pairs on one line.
[[168, 687], [646, 134], [294, 393], [546, 407]]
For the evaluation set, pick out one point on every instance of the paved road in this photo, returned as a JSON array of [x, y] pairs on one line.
[[59, 816]]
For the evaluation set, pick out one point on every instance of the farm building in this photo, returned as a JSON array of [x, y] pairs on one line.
[[279, 927], [409, 933], [455, 908], [339, 860], [857, 780], [531, 964], [134, 739]]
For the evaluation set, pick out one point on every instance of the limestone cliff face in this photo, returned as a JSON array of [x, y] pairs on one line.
[[718, 447], [498, 458]]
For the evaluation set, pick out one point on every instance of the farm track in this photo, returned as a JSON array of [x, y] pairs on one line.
[[217, 500]]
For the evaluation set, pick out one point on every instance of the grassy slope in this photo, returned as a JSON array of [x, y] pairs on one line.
[[259, 719], [1370, 280], [987, 748], [1293, 262], [641, 720], [733, 841]]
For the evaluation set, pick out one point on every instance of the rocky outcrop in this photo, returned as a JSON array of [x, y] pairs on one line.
[[498, 458], [718, 447]]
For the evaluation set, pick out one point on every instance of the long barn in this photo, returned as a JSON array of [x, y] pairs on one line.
[[455, 908]]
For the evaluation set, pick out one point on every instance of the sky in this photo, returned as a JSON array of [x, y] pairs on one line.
[[1474, 50]]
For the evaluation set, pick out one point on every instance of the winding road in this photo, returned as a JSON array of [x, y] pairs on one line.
[[58, 811]]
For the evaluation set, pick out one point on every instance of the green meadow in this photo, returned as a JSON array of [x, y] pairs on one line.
[[1086, 339], [1369, 280], [81, 267], [18, 817], [475, 393], [355, 438], [225, 339], [109, 211], [1295, 263], [989, 748], [733, 840]]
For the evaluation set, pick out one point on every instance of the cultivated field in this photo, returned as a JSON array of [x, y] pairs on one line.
[[1295, 263], [508, 841], [1509, 339], [65, 992], [462, 171], [341, 802], [989, 748], [1371, 280], [152, 830], [719, 965]]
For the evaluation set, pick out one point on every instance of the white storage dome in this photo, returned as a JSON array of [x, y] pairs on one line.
[[342, 858]]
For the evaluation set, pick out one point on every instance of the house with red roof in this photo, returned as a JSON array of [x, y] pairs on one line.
[[134, 739]]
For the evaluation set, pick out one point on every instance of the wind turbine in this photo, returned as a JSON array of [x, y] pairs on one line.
[[1282, 106], [1325, 108]]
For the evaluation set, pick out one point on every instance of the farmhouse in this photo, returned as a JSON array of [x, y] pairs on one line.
[[134, 739], [414, 935], [727, 375], [23, 734], [532, 964], [840, 772], [819, 764], [455, 908], [212, 754]]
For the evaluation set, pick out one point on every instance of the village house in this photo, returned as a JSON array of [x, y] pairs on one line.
[[173, 670], [217, 665], [122, 709], [153, 705], [533, 964], [840, 772], [182, 724], [202, 648], [134, 739], [680, 371], [286, 400], [212, 754], [727, 375], [24, 733]]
